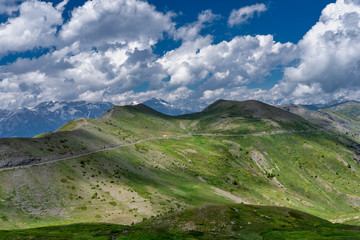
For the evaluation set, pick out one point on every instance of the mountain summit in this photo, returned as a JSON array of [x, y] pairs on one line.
[[251, 108]]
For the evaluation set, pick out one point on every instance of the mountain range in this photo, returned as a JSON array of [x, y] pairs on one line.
[[195, 175], [49, 116], [46, 117]]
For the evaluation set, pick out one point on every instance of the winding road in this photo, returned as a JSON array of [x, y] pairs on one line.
[[156, 138]]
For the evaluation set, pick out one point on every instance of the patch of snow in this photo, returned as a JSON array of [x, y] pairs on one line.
[[72, 111], [56, 106]]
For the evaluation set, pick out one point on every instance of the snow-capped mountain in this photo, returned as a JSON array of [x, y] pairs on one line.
[[165, 107], [46, 117]]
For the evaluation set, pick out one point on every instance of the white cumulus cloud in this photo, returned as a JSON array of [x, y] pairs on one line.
[[34, 27], [329, 63], [240, 61], [102, 51], [123, 21], [105, 52]]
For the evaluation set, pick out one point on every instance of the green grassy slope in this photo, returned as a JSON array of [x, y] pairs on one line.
[[306, 170], [343, 123], [120, 125], [233, 221], [127, 124], [350, 109], [245, 117], [347, 118], [342, 119]]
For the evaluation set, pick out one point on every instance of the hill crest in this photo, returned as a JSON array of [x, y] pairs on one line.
[[252, 108]]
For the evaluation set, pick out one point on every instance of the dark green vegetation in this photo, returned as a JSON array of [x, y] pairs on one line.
[[134, 163], [236, 221]]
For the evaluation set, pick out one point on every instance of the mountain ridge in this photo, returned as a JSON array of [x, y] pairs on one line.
[[165, 107], [134, 162], [209, 121], [254, 108], [47, 116], [342, 117]]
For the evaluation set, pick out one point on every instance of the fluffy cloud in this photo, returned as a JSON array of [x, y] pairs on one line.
[[240, 61], [329, 56], [104, 52], [70, 74], [34, 27], [122, 59], [241, 15], [130, 22], [181, 95], [22, 89], [237, 93]]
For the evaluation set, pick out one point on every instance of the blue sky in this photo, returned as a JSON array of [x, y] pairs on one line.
[[186, 52], [287, 20]]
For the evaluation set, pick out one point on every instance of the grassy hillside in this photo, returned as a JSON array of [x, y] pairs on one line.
[[235, 221], [251, 116], [347, 117], [350, 109], [120, 125], [234, 152], [342, 118]]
